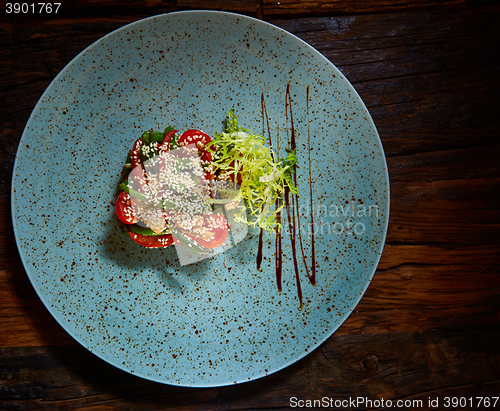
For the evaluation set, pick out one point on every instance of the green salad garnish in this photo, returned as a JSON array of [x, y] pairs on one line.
[[241, 156]]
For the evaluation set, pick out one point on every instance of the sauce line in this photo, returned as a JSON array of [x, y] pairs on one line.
[[259, 250], [291, 218], [312, 276], [278, 244]]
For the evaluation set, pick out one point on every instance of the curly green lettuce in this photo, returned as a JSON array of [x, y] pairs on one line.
[[245, 158]]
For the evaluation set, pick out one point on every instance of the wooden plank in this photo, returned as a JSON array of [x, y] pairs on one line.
[[249, 7], [429, 80], [296, 7], [410, 296], [433, 120], [161, 6], [132, 4], [417, 297], [68, 7], [470, 163], [442, 234], [80, 8], [398, 255], [446, 212], [413, 366], [369, 37]]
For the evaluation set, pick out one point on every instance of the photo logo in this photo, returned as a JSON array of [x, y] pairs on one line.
[[346, 219]]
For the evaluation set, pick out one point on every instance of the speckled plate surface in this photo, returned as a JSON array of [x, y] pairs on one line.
[[220, 321]]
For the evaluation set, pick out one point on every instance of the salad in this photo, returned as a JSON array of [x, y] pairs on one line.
[[177, 188]]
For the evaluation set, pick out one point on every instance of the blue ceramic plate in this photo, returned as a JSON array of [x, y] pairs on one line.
[[220, 321]]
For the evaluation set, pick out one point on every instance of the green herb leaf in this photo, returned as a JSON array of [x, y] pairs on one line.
[[146, 230], [244, 156]]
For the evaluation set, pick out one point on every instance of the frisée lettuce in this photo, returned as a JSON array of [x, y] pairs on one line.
[[241, 156]]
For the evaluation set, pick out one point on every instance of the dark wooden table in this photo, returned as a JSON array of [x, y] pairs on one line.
[[428, 326]]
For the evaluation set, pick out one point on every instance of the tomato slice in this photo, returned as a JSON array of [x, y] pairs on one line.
[[124, 210], [152, 241], [201, 140], [168, 138], [194, 136], [218, 224]]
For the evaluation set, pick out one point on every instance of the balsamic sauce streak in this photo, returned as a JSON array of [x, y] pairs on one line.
[[278, 248], [312, 277], [264, 120], [294, 216], [295, 204], [259, 251], [291, 221]]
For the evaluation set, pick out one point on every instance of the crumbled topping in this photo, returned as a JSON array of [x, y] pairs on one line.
[[176, 189]]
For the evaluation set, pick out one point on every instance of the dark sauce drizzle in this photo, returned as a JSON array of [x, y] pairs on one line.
[[293, 216], [291, 221], [265, 120], [312, 277], [259, 251], [278, 249], [295, 199]]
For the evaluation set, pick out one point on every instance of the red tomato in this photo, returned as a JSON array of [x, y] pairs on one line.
[[168, 137], [124, 210], [219, 224], [151, 241], [194, 137], [201, 139]]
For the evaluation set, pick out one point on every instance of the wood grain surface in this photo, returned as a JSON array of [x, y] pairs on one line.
[[428, 326]]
